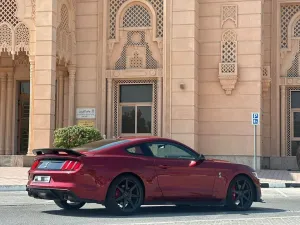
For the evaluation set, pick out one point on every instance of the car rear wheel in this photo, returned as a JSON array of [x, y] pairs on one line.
[[125, 195], [69, 205], [240, 194]]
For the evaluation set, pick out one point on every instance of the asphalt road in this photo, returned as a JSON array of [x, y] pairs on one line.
[[281, 207]]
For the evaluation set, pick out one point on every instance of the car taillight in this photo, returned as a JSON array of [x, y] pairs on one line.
[[35, 164], [70, 165]]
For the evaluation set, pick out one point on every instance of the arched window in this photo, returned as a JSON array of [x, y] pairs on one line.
[[136, 16]]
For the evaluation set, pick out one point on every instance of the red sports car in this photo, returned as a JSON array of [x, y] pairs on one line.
[[125, 173]]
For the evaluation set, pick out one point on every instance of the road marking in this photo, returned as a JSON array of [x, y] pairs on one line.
[[283, 194], [211, 220]]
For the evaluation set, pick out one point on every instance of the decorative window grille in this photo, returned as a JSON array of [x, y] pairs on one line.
[[116, 101], [296, 29], [229, 12], [64, 42], [22, 38], [8, 10], [64, 23], [287, 12], [5, 38], [9, 25], [114, 6], [265, 71], [294, 70], [136, 61], [228, 52], [135, 39], [137, 16]]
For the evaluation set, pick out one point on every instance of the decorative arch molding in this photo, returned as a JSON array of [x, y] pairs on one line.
[[291, 25], [149, 32], [123, 9], [66, 40]]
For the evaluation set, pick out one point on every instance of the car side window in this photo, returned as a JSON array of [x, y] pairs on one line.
[[170, 151], [136, 150]]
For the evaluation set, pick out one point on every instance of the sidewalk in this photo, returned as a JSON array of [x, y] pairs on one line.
[[15, 178]]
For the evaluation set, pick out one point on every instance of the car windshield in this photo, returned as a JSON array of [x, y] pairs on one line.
[[99, 145]]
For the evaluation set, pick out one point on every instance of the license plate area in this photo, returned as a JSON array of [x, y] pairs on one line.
[[42, 179]]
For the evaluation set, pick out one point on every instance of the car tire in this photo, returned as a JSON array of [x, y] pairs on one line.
[[240, 194], [69, 206], [125, 196]]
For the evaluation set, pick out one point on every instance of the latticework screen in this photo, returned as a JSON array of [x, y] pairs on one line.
[[8, 10], [136, 38], [287, 12], [116, 103], [137, 16]]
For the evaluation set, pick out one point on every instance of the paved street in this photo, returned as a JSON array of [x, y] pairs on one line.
[[281, 207]]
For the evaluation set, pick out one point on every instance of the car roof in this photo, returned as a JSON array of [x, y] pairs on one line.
[[114, 143]]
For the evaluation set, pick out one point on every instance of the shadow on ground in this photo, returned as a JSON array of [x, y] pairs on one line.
[[163, 211]]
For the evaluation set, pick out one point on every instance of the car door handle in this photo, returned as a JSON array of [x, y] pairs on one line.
[[164, 167]]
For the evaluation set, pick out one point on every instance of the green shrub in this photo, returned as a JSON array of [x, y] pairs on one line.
[[74, 136]]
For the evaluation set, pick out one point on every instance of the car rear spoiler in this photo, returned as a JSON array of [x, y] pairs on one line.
[[55, 151]]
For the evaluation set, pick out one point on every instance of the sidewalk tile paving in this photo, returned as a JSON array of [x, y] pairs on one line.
[[19, 176]]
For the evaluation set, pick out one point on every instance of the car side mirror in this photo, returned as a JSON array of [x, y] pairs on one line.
[[197, 161]]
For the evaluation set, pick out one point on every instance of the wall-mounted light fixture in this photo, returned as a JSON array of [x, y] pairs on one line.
[[182, 86]]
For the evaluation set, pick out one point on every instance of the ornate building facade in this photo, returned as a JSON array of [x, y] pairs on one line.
[[191, 70]]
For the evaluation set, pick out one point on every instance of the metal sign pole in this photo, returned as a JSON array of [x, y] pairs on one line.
[[255, 123], [254, 156]]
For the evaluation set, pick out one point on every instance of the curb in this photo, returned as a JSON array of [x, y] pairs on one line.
[[262, 185], [12, 188], [280, 185]]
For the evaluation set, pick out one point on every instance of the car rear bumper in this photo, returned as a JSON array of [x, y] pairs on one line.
[[56, 194]]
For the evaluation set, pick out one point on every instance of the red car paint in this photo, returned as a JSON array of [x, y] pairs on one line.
[[165, 180]]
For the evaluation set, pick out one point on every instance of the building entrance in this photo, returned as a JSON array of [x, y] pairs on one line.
[[23, 117]]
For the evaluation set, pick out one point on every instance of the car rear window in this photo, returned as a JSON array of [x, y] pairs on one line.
[[99, 145]]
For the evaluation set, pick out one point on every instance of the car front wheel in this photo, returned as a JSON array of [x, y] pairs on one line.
[[240, 194], [69, 205], [125, 195]]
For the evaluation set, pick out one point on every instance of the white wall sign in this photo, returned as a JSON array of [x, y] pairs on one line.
[[85, 113]]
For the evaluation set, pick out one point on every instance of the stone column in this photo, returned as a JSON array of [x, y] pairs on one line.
[[109, 108], [159, 106], [45, 74], [66, 101], [283, 120], [30, 135], [9, 113], [72, 72], [2, 113], [60, 98]]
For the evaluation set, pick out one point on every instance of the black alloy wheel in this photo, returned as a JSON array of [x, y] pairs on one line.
[[125, 195], [64, 204], [240, 194]]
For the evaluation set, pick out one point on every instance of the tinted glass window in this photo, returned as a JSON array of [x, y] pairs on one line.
[[144, 119], [136, 93], [137, 150], [128, 119], [295, 99], [99, 145], [170, 151], [296, 124]]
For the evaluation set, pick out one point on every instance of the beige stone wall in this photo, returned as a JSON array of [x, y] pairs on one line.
[[88, 39], [267, 19], [225, 120], [185, 60]]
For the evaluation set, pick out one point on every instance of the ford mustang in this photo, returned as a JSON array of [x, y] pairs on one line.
[[125, 173]]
